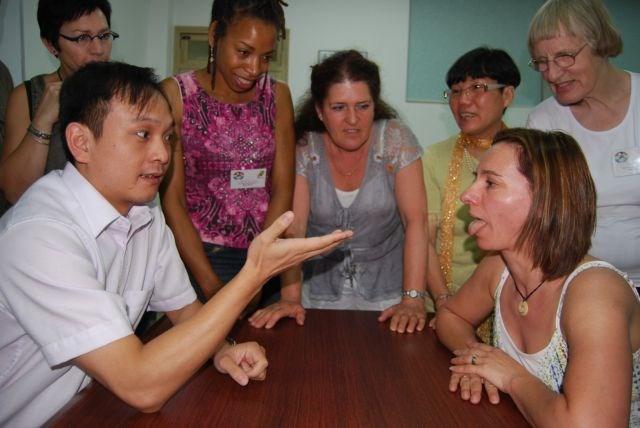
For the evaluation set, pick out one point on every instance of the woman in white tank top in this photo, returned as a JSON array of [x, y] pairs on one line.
[[567, 328]]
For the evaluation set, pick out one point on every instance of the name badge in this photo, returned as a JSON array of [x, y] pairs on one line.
[[248, 178], [626, 162]]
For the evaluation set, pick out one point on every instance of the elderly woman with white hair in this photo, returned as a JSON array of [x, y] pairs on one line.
[[570, 42]]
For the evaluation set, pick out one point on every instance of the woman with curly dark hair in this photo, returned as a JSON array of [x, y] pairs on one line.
[[356, 166]]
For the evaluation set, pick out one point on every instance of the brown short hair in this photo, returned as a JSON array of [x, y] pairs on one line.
[[587, 19], [558, 229]]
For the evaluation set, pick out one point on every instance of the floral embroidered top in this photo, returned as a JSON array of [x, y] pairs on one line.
[[223, 142], [550, 363]]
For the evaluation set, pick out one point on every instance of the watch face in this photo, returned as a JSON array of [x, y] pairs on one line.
[[414, 293]]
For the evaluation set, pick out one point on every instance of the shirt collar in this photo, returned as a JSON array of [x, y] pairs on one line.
[[100, 214]]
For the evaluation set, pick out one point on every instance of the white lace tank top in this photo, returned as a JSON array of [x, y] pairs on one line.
[[550, 363]]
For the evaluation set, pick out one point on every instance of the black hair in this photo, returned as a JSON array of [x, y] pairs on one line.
[[53, 13], [339, 67], [224, 12], [85, 95], [481, 62]]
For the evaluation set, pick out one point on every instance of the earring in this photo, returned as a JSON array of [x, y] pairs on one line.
[[212, 58]]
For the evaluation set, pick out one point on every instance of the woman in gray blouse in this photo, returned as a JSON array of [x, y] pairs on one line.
[[357, 167]]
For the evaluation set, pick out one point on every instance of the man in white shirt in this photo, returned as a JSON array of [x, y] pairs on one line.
[[86, 251]]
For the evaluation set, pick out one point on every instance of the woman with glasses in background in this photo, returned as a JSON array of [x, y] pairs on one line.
[[482, 85], [570, 42], [75, 32]]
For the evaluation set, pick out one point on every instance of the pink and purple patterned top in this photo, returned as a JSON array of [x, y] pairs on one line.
[[217, 138]]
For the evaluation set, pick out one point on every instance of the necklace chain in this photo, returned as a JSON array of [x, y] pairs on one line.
[[346, 173], [349, 173], [523, 307]]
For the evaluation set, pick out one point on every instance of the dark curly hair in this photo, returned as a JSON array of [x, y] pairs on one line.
[[339, 67]]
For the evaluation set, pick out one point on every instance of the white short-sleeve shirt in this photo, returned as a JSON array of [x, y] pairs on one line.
[[617, 235], [75, 275]]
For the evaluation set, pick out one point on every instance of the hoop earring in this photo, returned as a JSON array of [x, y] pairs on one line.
[[211, 60]]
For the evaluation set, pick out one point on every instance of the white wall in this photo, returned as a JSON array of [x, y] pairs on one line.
[[379, 27]]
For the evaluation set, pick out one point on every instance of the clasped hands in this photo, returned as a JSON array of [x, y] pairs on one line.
[[480, 365]]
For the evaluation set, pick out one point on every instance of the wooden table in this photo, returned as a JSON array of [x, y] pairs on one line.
[[342, 368]]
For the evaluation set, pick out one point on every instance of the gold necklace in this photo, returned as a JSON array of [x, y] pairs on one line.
[[468, 163], [354, 169], [523, 307], [346, 173]]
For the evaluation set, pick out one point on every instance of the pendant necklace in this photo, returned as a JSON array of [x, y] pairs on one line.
[[523, 307], [346, 173]]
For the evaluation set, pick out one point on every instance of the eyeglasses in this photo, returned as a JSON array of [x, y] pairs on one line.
[[563, 60], [473, 90], [86, 39]]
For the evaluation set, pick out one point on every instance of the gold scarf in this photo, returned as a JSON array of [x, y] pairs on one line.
[[451, 196]]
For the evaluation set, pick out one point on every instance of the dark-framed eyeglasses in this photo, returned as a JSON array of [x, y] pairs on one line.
[[86, 39], [473, 90], [563, 60]]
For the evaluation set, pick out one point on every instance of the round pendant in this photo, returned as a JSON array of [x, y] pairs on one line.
[[523, 308]]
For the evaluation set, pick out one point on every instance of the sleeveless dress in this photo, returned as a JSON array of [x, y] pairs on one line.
[[222, 141], [550, 363], [219, 138]]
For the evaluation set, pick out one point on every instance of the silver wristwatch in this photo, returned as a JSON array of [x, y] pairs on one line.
[[414, 293]]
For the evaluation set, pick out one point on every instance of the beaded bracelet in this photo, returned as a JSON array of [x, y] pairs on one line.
[[39, 136]]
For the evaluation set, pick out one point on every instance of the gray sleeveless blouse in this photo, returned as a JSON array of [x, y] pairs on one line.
[[373, 257], [57, 155]]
